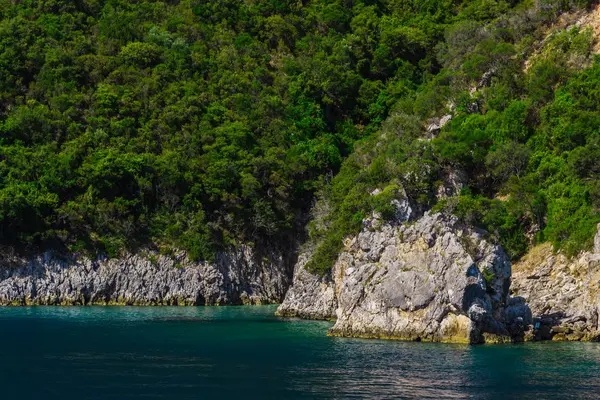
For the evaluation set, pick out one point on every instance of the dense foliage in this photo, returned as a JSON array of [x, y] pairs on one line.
[[201, 124], [193, 123]]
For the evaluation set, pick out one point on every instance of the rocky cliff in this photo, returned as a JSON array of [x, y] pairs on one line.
[[146, 278], [563, 293], [310, 296], [434, 280]]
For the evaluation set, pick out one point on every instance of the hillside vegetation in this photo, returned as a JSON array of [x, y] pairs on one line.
[[203, 124], [522, 86]]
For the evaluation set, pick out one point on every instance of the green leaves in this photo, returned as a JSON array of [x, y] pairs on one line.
[[140, 54], [572, 220], [201, 124]]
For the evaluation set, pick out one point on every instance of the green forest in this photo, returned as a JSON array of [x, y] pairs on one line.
[[201, 125]]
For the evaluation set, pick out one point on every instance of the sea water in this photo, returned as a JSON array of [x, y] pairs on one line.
[[248, 353]]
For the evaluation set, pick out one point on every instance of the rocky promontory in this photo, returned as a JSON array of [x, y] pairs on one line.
[[432, 280], [436, 279]]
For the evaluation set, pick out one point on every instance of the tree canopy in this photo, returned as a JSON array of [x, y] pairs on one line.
[[202, 124]]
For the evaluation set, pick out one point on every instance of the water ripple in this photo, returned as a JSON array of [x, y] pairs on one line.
[[211, 352]]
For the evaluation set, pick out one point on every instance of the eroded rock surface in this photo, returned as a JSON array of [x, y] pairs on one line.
[[433, 280], [146, 278], [311, 296], [563, 294]]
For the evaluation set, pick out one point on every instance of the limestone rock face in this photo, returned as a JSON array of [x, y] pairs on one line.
[[433, 280], [435, 125], [453, 181], [563, 294], [145, 278], [311, 296]]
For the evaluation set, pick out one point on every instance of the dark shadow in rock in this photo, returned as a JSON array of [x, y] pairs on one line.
[[518, 318], [472, 293]]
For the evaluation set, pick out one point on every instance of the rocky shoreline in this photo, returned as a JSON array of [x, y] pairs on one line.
[[146, 278], [431, 280], [428, 279], [435, 279], [563, 294]]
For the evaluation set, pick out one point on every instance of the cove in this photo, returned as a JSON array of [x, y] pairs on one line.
[[248, 353]]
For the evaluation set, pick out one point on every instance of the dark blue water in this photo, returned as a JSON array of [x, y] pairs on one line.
[[247, 353]]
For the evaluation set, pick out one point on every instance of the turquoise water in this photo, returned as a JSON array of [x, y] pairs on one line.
[[247, 353]]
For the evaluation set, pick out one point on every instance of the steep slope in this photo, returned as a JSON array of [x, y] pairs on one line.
[[310, 296], [515, 154], [192, 124]]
